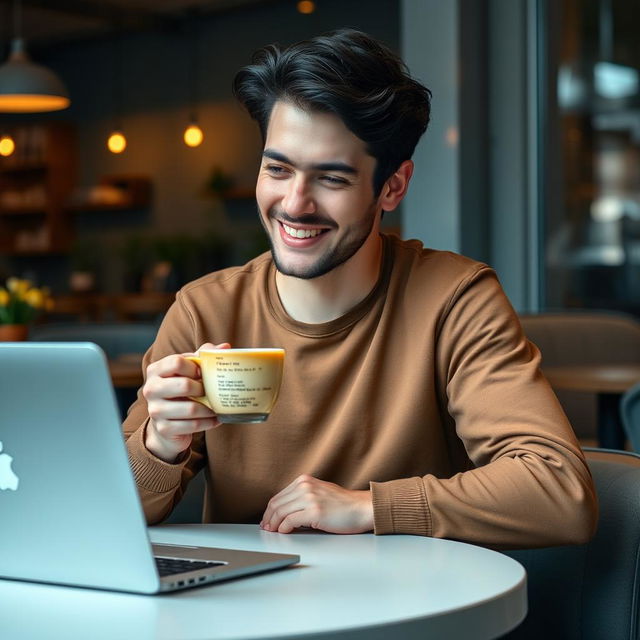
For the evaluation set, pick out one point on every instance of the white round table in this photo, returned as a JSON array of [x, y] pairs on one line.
[[349, 587]]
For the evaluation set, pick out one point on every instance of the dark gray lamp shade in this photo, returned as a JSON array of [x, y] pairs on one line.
[[26, 87]]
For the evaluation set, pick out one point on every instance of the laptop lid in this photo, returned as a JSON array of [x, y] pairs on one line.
[[70, 507]]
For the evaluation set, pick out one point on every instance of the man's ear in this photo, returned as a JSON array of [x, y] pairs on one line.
[[396, 186]]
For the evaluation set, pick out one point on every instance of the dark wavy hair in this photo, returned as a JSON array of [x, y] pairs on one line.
[[351, 75]]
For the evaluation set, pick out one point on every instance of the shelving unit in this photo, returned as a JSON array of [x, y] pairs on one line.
[[114, 193], [35, 183]]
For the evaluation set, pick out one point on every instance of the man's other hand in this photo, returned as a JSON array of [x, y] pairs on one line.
[[309, 502]]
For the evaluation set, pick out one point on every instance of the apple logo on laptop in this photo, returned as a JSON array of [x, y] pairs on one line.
[[8, 479]]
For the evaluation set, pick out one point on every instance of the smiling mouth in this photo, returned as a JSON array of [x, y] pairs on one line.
[[302, 233]]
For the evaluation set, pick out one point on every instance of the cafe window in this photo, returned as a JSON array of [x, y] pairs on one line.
[[592, 221]]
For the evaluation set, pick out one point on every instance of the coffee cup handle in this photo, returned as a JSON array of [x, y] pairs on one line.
[[201, 399]]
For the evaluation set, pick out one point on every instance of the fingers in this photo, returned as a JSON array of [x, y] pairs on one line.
[[314, 503], [179, 409], [175, 376], [297, 520], [297, 497], [178, 365], [159, 387], [174, 365], [278, 514], [174, 418]]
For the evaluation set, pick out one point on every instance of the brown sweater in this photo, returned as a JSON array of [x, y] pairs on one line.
[[427, 392]]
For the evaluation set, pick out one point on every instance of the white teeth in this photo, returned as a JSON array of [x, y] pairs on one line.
[[301, 233]]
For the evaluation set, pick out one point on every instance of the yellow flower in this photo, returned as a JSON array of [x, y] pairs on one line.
[[20, 301], [18, 286], [34, 298]]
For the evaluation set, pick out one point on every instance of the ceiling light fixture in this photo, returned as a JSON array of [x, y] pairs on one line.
[[117, 142], [193, 135], [306, 7], [7, 146], [27, 87]]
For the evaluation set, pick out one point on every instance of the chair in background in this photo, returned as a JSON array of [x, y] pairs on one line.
[[591, 591], [574, 338], [630, 412], [116, 339]]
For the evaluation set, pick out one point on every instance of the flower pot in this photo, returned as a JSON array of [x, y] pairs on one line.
[[13, 332]]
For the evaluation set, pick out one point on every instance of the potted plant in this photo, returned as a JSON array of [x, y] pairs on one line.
[[20, 303]]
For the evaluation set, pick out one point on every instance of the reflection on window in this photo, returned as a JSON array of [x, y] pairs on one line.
[[593, 237]]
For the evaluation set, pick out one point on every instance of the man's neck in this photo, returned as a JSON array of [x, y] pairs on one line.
[[332, 295]]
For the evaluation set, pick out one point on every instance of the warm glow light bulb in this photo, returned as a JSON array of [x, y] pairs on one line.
[[193, 135], [117, 143], [7, 146], [306, 6]]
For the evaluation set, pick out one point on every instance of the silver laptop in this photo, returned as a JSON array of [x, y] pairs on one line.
[[69, 506]]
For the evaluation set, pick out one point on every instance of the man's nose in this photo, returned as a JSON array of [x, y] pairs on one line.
[[298, 199]]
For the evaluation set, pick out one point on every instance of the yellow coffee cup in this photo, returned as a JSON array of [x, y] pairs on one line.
[[240, 385]]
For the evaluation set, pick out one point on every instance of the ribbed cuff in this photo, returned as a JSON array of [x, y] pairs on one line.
[[401, 506], [151, 473]]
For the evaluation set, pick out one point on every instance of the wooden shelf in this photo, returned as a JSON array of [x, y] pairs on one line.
[[132, 191], [35, 184]]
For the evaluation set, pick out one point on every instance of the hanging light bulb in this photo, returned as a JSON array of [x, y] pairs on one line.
[[26, 87], [193, 135], [7, 146], [117, 143]]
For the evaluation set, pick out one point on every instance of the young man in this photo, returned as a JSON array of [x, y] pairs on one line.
[[411, 400]]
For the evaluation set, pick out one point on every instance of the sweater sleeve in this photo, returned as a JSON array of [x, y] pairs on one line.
[[527, 483], [160, 484]]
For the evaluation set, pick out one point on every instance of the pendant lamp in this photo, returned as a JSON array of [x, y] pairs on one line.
[[117, 141], [27, 87], [193, 135], [7, 145]]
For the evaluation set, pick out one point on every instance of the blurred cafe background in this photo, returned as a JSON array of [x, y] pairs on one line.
[[131, 171]]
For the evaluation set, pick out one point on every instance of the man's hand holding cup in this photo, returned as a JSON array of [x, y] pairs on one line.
[[171, 384]]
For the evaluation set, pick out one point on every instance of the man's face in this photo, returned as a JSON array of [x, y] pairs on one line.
[[314, 191]]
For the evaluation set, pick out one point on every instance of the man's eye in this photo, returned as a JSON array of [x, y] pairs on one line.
[[275, 169], [334, 181]]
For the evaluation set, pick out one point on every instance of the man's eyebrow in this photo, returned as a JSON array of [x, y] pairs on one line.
[[341, 167]]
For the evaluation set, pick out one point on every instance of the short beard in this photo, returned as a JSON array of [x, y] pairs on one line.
[[331, 260]]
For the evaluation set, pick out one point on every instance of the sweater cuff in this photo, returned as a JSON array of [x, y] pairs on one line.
[[151, 473], [401, 506]]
